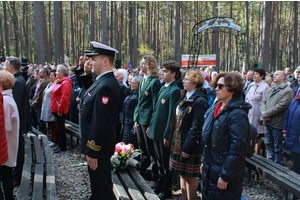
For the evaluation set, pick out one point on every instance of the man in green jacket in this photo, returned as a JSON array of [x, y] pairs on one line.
[[148, 90], [159, 129]]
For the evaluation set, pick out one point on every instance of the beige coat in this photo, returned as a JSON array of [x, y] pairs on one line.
[[275, 105], [46, 115], [255, 94], [11, 127]]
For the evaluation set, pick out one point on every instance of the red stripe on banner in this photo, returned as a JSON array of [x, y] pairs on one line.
[[200, 62]]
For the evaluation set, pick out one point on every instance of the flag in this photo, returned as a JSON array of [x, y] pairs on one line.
[[258, 66], [128, 66], [244, 68]]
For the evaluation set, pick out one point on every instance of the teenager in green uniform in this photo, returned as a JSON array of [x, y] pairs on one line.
[[148, 90], [159, 129]]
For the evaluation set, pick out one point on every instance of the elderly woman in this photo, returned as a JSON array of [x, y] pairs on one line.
[[224, 135], [46, 115], [291, 129], [130, 102], [256, 92], [11, 115], [60, 102], [188, 146]]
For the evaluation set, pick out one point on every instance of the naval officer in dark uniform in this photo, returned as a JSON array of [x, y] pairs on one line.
[[99, 107]]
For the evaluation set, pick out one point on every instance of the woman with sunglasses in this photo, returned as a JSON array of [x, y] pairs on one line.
[[224, 136]]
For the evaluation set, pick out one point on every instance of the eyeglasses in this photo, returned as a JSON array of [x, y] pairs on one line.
[[220, 85], [297, 72]]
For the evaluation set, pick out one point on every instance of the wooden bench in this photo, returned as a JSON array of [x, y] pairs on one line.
[[284, 178], [38, 177], [73, 130], [129, 184]]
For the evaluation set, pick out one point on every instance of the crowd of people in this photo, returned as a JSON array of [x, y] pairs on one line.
[[187, 122]]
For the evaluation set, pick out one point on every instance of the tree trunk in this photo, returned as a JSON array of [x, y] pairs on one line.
[[49, 37], [111, 24], [229, 41], [266, 35], [295, 42], [134, 60], [72, 36], [247, 35], [91, 21], [40, 31], [277, 36], [58, 33], [104, 23], [130, 30], [177, 33]]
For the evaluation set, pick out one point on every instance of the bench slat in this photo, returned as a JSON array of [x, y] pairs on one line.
[[25, 183], [50, 182], [47, 150], [38, 149], [294, 189], [141, 184], [72, 123], [37, 192], [279, 167], [28, 150], [131, 187], [118, 189]]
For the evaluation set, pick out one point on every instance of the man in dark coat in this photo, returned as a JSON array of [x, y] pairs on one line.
[[20, 95], [30, 81], [120, 76], [38, 98], [98, 113]]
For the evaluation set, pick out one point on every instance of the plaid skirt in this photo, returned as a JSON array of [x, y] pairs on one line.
[[189, 167]]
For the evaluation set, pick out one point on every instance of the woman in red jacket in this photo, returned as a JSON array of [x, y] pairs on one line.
[[60, 102]]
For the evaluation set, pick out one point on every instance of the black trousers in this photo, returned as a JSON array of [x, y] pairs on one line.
[[60, 124], [101, 183], [6, 177], [17, 175], [148, 155], [162, 154]]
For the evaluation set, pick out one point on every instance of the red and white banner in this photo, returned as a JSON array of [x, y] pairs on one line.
[[203, 60]]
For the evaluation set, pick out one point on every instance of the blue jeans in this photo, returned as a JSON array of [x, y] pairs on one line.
[[296, 162], [274, 139]]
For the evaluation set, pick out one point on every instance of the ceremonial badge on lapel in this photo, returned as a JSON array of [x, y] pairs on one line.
[[190, 109], [105, 99], [163, 101], [146, 93]]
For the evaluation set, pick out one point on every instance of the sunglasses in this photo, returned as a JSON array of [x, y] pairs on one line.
[[220, 85], [297, 72]]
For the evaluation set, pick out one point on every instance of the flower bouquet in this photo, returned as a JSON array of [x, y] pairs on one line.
[[124, 156]]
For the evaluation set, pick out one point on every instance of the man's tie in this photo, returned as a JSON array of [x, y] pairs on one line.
[[161, 90]]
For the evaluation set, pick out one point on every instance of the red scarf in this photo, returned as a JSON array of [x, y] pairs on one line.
[[218, 109]]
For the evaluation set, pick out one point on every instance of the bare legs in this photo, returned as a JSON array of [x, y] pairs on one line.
[[189, 186], [258, 145]]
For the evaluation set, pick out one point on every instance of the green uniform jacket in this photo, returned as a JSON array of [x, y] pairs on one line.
[[163, 112], [146, 102]]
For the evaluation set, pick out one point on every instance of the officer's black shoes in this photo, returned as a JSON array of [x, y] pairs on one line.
[[58, 150]]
